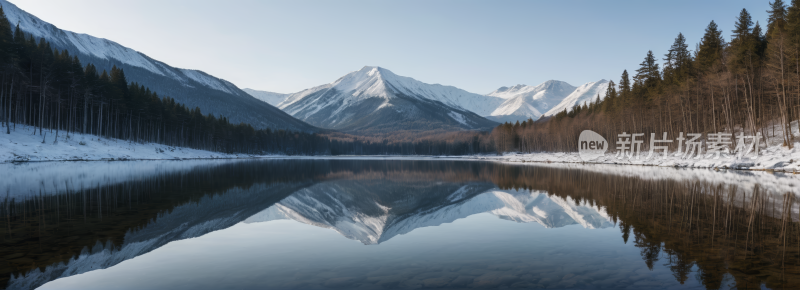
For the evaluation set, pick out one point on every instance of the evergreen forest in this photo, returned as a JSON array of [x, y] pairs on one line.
[[748, 84]]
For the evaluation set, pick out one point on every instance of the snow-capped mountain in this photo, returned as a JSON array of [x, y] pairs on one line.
[[375, 99], [190, 87], [374, 212], [268, 97], [584, 94], [524, 102]]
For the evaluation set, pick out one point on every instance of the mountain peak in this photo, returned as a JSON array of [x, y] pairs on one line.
[[370, 70], [375, 71], [374, 97], [556, 83]]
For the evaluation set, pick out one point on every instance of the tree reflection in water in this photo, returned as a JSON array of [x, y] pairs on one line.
[[726, 231], [749, 233]]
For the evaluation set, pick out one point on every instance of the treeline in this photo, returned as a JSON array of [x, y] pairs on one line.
[[53, 92], [413, 143], [750, 85]]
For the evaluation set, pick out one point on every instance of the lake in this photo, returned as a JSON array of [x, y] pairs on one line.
[[394, 224]]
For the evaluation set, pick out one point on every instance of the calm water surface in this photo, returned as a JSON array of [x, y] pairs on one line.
[[393, 224]]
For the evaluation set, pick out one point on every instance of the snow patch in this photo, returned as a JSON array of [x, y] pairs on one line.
[[584, 94], [458, 118]]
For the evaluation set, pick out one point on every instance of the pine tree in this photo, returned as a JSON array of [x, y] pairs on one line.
[[743, 25], [611, 96], [6, 38], [677, 61], [793, 21], [744, 46], [709, 51], [777, 16], [648, 73], [611, 91], [760, 40], [624, 85]]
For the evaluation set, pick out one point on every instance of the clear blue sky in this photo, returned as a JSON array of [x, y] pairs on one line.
[[287, 46]]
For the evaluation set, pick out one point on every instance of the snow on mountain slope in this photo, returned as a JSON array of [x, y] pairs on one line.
[[100, 48], [374, 97], [192, 88], [506, 93], [291, 99], [209, 81], [268, 97], [523, 102], [584, 94], [380, 82]]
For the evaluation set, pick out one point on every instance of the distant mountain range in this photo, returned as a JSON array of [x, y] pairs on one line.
[[192, 88], [524, 102], [364, 99]]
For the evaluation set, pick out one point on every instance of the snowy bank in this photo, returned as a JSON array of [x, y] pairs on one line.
[[774, 158], [22, 145]]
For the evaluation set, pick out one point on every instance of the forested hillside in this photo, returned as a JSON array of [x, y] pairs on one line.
[[192, 88], [749, 84]]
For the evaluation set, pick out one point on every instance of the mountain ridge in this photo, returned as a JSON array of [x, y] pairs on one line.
[[271, 98]]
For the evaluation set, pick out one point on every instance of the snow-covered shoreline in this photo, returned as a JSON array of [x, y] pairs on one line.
[[775, 158], [23, 146]]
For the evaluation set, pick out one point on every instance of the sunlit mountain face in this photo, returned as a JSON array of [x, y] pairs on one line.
[[403, 224]]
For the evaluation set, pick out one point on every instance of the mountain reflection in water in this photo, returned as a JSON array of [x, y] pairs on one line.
[[704, 228]]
